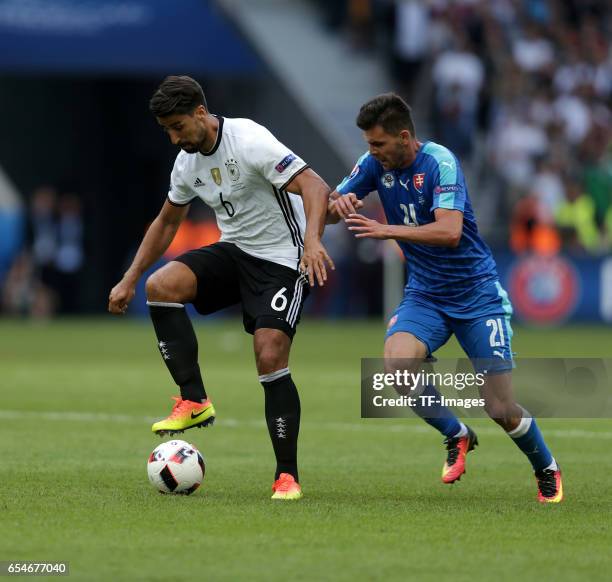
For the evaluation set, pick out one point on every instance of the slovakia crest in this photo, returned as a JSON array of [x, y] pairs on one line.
[[417, 181]]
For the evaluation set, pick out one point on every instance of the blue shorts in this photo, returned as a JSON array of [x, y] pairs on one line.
[[480, 322]]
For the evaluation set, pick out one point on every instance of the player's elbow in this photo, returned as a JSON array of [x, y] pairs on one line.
[[316, 185], [454, 237]]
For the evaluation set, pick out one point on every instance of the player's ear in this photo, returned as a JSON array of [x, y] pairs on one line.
[[405, 137], [200, 112]]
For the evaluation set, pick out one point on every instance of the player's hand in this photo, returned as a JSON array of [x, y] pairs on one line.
[[120, 296], [313, 262], [365, 227], [346, 205]]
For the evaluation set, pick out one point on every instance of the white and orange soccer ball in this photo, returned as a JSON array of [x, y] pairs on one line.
[[176, 467]]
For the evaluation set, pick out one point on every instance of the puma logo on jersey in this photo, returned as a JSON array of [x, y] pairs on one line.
[[451, 165]]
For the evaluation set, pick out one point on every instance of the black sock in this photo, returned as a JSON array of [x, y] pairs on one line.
[[283, 419], [178, 346]]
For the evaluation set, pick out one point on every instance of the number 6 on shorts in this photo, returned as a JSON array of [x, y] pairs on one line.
[[279, 301]]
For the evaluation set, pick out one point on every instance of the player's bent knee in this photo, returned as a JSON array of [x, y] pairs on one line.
[[405, 346], [173, 283], [498, 410], [153, 287], [157, 289]]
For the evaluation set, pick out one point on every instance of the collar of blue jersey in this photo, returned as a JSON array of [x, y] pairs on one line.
[[416, 157]]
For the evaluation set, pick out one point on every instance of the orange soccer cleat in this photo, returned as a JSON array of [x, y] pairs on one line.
[[287, 488], [185, 414], [457, 448], [550, 486]]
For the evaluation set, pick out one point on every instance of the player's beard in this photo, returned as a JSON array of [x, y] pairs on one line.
[[400, 159], [395, 160], [193, 148], [189, 148], [392, 162]]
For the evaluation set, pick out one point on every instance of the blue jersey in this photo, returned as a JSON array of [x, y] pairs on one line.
[[409, 197]]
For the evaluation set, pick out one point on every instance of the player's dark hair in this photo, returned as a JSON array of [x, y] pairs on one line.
[[177, 95], [389, 111]]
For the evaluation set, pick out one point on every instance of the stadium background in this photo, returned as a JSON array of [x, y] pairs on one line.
[[519, 89]]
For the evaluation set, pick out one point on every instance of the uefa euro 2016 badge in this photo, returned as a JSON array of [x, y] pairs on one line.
[[233, 170], [216, 174], [388, 180]]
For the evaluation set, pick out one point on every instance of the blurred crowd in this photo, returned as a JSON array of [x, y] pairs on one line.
[[521, 91], [44, 278]]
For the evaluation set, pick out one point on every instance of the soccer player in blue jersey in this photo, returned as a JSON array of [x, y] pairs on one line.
[[453, 286]]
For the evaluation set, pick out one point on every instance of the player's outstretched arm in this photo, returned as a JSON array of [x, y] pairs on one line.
[[444, 231], [155, 242], [315, 193]]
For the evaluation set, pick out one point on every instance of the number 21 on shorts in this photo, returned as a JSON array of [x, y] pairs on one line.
[[497, 338]]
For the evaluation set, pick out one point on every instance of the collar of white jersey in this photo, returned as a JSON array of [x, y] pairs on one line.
[[219, 136]]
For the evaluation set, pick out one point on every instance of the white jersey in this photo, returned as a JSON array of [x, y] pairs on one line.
[[243, 179]]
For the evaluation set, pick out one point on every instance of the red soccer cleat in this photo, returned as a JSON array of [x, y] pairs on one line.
[[550, 486], [287, 488], [457, 448]]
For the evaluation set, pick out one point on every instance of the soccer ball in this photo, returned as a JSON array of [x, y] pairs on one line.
[[176, 467]]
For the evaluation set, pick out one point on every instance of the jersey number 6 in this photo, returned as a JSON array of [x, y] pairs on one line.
[[227, 205]]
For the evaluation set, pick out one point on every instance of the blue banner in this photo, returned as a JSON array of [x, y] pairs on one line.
[[120, 36], [553, 290]]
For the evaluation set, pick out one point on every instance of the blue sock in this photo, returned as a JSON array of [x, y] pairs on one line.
[[529, 439], [436, 415]]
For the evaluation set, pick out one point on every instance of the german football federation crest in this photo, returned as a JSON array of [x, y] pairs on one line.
[[233, 170], [216, 174], [417, 181]]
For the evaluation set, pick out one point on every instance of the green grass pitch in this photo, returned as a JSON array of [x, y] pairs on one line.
[[77, 401]]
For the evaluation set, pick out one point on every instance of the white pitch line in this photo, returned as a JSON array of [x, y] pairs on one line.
[[362, 426]]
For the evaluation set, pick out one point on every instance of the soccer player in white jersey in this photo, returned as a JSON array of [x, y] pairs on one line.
[[270, 207]]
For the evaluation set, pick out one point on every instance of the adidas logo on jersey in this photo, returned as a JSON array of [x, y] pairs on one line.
[[198, 183]]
